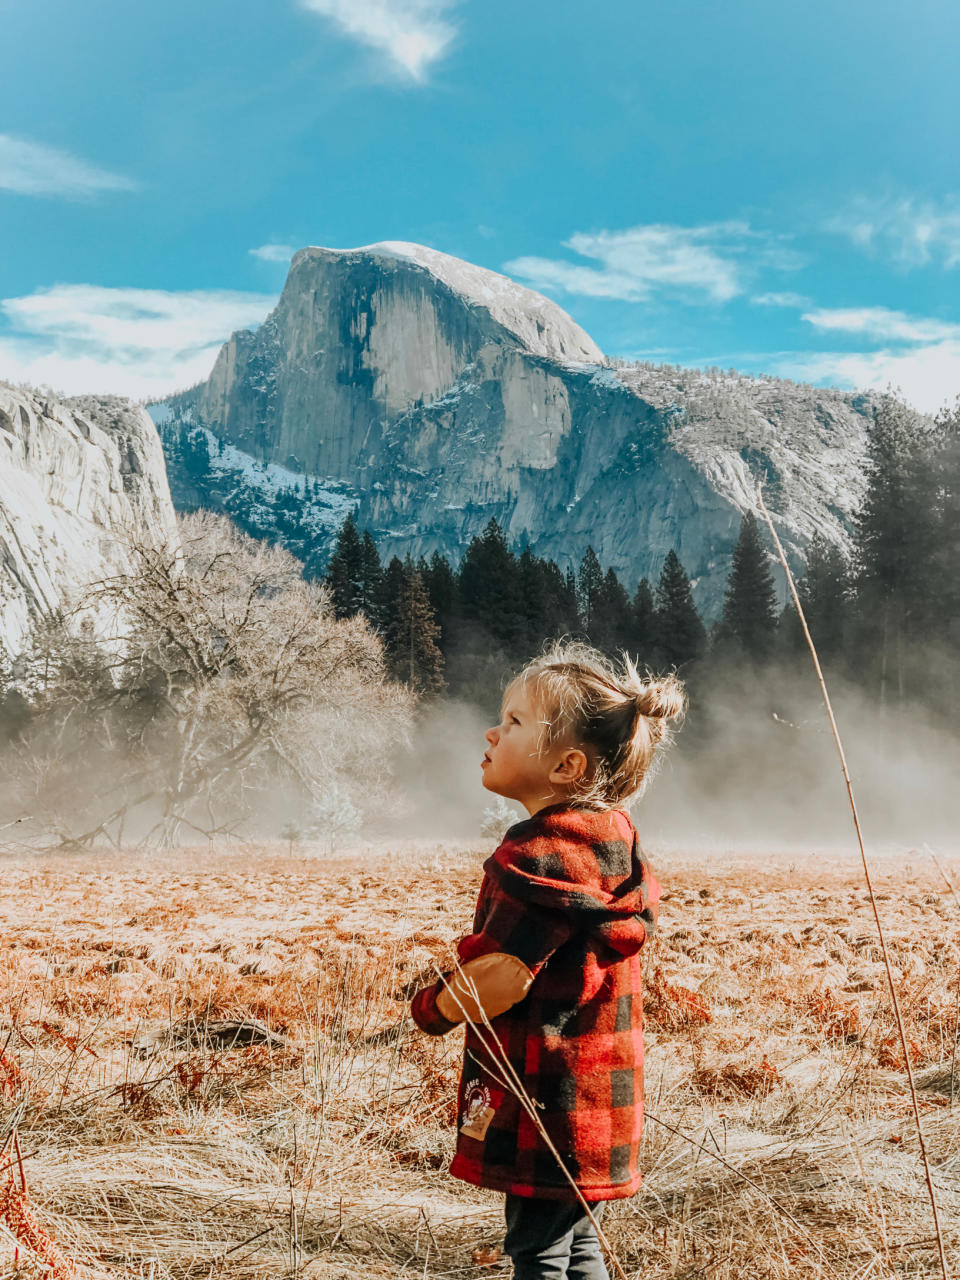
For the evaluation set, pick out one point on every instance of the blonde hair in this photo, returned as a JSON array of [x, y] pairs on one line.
[[617, 715]]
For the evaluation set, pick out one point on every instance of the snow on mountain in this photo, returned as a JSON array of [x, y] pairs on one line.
[[245, 487], [444, 395]]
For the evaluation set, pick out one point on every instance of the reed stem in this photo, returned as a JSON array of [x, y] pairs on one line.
[[516, 1087], [866, 871]]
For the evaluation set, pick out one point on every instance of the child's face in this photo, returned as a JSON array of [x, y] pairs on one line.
[[514, 765]]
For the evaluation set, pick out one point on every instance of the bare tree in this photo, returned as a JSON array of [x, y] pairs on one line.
[[234, 694]]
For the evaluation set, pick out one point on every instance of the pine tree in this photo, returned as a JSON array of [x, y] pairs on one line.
[[897, 539], [946, 556], [824, 592], [195, 452], [643, 621], [489, 589], [533, 598], [570, 585], [749, 620], [883, 526], [345, 571], [388, 604], [371, 577], [589, 589], [412, 633], [565, 586], [613, 622], [548, 609], [287, 505], [441, 584], [679, 630]]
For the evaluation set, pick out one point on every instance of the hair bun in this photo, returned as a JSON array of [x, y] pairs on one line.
[[661, 699]]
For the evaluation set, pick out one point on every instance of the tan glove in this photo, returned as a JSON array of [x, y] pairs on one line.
[[489, 985]]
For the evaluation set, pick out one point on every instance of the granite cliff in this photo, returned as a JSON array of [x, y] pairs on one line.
[[434, 395], [80, 481]]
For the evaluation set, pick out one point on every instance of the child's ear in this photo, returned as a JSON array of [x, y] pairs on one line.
[[570, 768]]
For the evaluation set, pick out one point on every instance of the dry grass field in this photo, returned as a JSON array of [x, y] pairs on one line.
[[158, 1141]]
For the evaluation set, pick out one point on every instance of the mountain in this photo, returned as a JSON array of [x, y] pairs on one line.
[[433, 394], [80, 481]]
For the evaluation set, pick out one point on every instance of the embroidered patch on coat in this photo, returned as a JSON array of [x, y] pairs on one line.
[[477, 1111]]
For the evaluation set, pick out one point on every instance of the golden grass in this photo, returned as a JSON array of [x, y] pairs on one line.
[[153, 1146]]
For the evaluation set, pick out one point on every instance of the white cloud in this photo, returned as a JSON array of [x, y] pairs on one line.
[[788, 299], [705, 262], [911, 232], [412, 34], [882, 324], [920, 358], [31, 169], [274, 252], [136, 342], [928, 376]]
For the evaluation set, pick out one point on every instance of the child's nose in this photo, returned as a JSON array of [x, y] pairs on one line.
[[491, 736]]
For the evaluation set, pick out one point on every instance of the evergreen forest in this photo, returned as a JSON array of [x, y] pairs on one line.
[[885, 615]]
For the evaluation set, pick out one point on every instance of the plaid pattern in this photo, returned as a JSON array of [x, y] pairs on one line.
[[568, 893]]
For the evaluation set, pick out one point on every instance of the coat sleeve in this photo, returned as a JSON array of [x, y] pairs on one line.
[[498, 963]]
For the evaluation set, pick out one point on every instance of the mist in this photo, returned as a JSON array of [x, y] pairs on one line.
[[758, 783], [753, 770]]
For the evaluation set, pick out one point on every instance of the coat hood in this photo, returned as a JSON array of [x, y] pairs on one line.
[[586, 864]]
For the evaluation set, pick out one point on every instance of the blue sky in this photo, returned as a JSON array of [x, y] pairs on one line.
[[774, 187]]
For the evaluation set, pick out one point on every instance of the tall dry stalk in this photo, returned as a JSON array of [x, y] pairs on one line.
[[750, 1182], [901, 1032], [503, 1068], [949, 883]]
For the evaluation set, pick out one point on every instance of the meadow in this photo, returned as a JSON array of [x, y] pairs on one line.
[[206, 1070]]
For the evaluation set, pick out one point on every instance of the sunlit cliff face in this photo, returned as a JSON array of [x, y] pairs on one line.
[[443, 395], [80, 481]]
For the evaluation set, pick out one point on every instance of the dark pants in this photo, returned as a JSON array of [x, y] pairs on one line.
[[552, 1240]]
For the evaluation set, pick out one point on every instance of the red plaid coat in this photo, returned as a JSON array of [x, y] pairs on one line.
[[569, 894]]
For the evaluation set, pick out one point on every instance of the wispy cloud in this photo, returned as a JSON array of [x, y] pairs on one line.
[[705, 263], [32, 169], [787, 299], [882, 324], [920, 355], [137, 342], [928, 376], [274, 252], [411, 34], [911, 232]]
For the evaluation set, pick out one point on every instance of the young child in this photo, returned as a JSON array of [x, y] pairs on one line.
[[565, 906]]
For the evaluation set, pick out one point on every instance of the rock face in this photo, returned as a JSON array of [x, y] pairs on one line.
[[80, 480], [357, 339], [443, 395]]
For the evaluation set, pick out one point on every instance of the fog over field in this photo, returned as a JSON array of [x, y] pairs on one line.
[[757, 775]]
